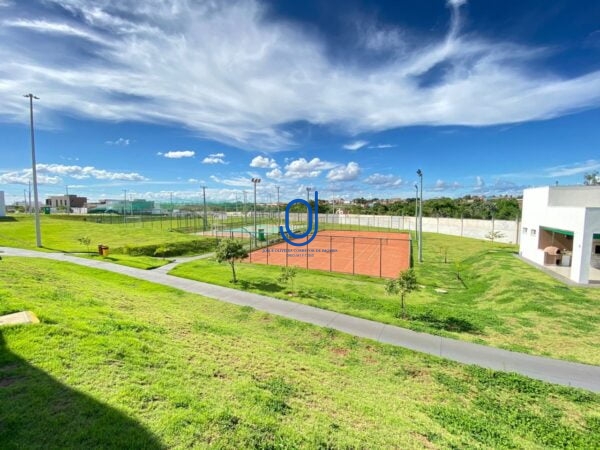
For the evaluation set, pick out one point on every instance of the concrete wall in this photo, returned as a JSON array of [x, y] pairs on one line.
[[583, 196], [473, 228], [2, 205]]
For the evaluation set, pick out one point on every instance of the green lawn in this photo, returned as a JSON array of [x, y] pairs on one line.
[[63, 234], [121, 363], [139, 262], [501, 301]]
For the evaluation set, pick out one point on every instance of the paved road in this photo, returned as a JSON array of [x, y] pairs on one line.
[[546, 369]]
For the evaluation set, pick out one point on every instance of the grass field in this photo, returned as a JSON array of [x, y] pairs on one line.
[[63, 234], [121, 363], [501, 301]]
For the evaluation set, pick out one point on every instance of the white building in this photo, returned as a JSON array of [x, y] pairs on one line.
[[561, 229], [2, 205]]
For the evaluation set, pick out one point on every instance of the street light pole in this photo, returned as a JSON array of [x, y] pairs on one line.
[[38, 230], [68, 200], [420, 173], [125, 206], [255, 181], [417, 213], [278, 213], [204, 201]]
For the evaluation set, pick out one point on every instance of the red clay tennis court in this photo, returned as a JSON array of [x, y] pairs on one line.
[[378, 254]]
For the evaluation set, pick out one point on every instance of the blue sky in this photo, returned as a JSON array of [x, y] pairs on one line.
[[349, 97]]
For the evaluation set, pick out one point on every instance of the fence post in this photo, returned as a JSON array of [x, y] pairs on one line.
[[353, 245], [380, 248], [286, 253], [330, 238]]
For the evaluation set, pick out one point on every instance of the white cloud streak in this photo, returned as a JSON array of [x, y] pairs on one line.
[[356, 145], [251, 75], [52, 173], [215, 158], [178, 154]]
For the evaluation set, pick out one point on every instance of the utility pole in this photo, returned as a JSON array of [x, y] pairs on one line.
[[204, 201], [68, 200], [420, 173], [124, 205], [417, 213], [171, 210], [25, 199], [244, 206], [29, 204], [236, 202], [278, 213], [255, 181], [38, 230]]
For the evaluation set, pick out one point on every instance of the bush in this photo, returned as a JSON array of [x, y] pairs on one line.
[[172, 248]]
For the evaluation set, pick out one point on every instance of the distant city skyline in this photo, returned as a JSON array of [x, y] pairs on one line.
[[349, 97]]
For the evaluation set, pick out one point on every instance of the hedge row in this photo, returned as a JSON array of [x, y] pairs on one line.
[[169, 248]]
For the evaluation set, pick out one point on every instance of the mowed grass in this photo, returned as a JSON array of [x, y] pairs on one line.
[[501, 301], [63, 234], [121, 363], [139, 262]]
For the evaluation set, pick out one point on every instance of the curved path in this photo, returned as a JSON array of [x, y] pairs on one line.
[[546, 369]]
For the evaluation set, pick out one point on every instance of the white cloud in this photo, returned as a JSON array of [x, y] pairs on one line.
[[236, 181], [441, 185], [301, 168], [349, 172], [214, 158], [52, 173], [232, 53], [276, 174], [573, 169], [381, 146], [356, 145], [378, 179], [121, 141], [479, 183], [178, 154], [263, 162]]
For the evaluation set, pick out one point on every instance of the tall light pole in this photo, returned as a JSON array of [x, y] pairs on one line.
[[420, 173], [244, 206], [278, 213], [417, 213], [124, 205], [255, 181], [204, 202], [38, 230], [68, 200]]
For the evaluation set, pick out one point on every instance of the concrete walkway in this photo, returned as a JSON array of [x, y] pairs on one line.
[[546, 369]]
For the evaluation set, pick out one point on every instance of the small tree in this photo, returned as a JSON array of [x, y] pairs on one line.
[[492, 235], [591, 179], [230, 250], [403, 285], [85, 240], [161, 251], [287, 275]]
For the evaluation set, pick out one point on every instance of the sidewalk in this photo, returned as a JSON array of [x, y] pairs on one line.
[[546, 369]]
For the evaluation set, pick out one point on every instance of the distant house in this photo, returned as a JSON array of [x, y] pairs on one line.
[[561, 229], [66, 201]]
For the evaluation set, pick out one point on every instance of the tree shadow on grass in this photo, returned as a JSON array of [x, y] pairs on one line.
[[448, 323], [267, 286], [37, 411]]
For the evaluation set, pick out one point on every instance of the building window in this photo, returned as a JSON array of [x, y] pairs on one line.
[[524, 230], [597, 250], [533, 232]]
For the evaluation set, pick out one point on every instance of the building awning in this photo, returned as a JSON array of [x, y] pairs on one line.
[[559, 231]]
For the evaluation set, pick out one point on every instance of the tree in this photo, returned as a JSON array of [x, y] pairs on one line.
[[85, 240], [230, 250], [592, 178], [403, 285], [287, 275], [492, 235]]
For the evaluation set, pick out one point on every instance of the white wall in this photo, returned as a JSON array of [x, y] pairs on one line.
[[582, 221], [2, 205], [473, 228], [585, 196]]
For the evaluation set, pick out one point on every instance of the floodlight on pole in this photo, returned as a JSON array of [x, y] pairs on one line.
[[420, 173], [38, 230], [255, 181], [417, 213]]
